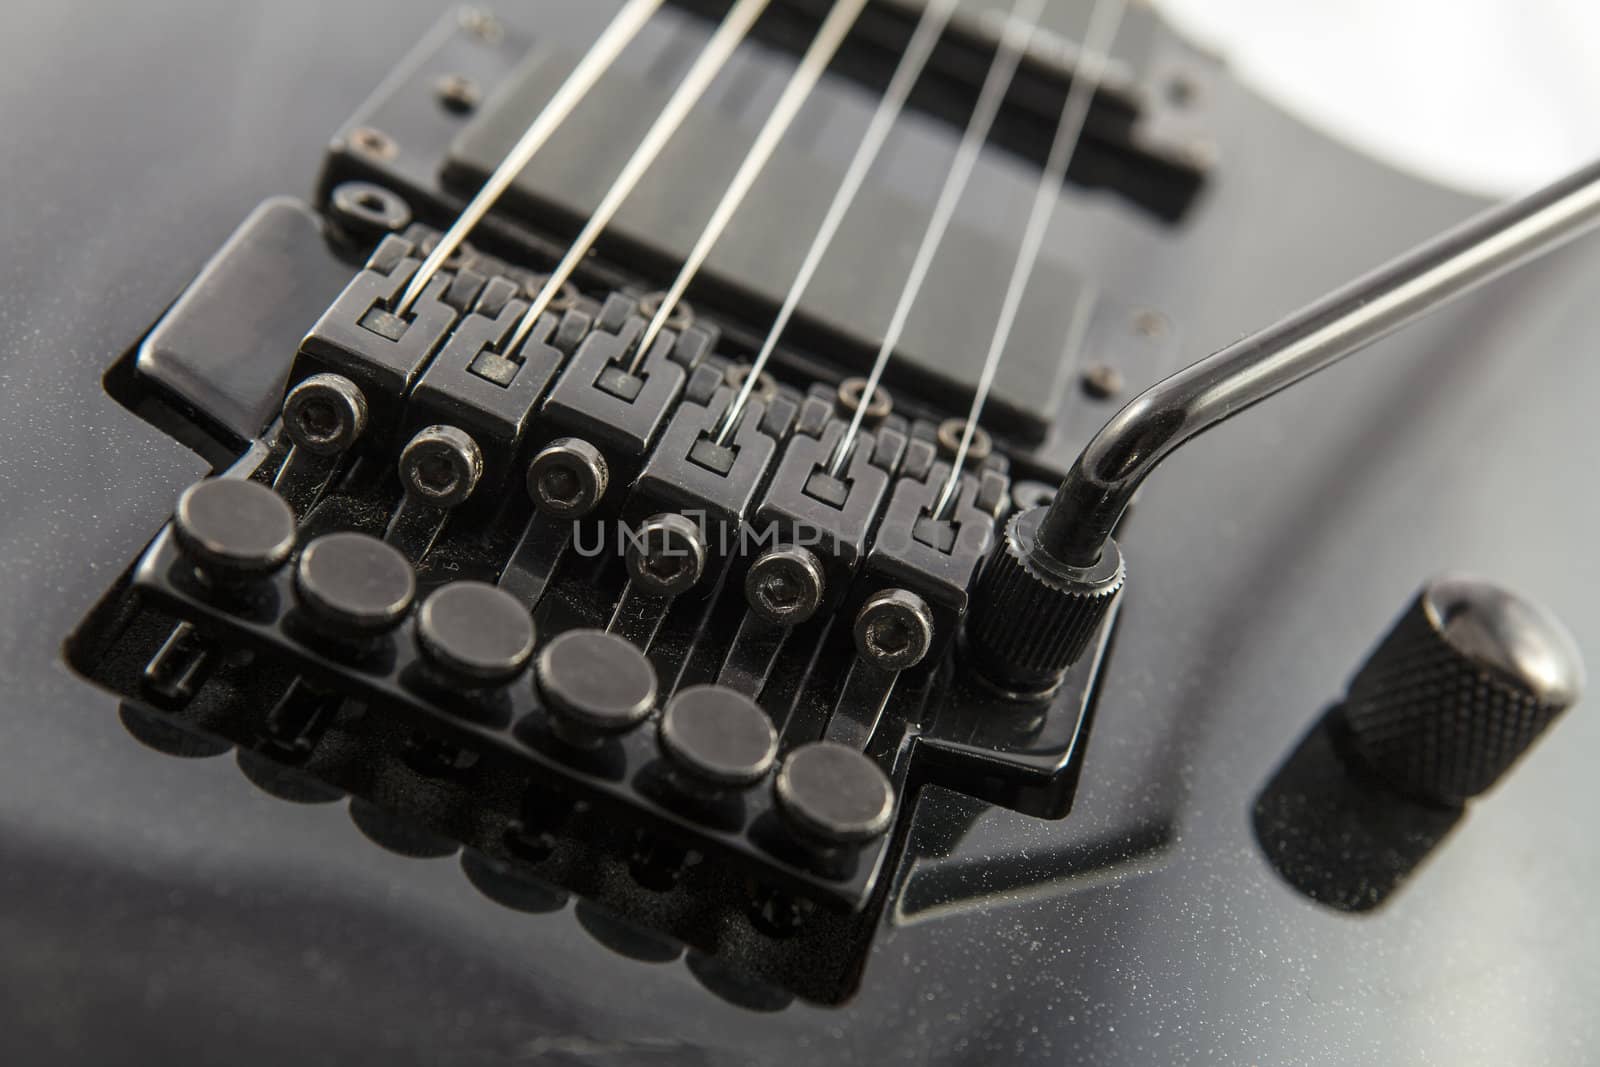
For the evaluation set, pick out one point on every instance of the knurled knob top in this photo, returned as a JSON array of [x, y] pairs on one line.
[[1033, 616], [1459, 688]]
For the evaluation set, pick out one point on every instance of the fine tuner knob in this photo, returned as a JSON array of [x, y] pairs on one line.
[[1459, 688]]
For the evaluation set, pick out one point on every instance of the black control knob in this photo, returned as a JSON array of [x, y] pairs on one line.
[[1033, 615], [1465, 681]]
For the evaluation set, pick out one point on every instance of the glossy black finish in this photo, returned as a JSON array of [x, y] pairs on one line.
[[279, 258], [190, 915], [568, 744]]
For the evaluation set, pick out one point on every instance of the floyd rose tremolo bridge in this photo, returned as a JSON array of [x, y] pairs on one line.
[[654, 604]]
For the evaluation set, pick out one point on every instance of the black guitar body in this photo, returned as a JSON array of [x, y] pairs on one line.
[[1203, 880]]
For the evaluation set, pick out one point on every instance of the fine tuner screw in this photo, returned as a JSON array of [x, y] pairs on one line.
[[235, 531]]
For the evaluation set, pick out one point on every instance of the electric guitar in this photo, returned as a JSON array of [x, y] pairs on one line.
[[660, 530]]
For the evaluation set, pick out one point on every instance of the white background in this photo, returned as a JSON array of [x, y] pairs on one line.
[[1494, 96]]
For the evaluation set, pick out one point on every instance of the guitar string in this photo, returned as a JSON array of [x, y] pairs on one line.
[[824, 46], [1014, 40], [929, 29], [600, 58], [733, 29], [1104, 20]]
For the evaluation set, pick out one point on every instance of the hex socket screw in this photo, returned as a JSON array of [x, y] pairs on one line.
[[894, 629], [666, 555], [785, 585], [568, 478], [323, 417], [440, 469]]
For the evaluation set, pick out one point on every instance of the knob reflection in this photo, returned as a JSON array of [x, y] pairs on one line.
[[1336, 832]]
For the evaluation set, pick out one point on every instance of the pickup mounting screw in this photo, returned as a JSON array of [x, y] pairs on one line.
[[374, 143], [1102, 381], [482, 24], [458, 93]]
